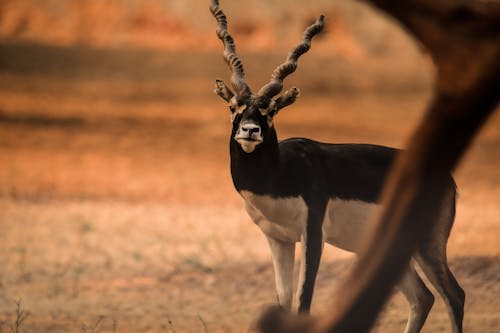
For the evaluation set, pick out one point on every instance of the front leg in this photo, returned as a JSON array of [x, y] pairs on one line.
[[312, 246], [283, 255]]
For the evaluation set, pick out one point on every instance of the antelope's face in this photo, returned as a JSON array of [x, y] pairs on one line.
[[252, 114], [252, 120]]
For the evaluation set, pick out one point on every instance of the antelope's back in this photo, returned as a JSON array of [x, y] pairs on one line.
[[348, 171]]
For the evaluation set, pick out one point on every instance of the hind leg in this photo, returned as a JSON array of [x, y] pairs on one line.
[[419, 297], [436, 269], [431, 256]]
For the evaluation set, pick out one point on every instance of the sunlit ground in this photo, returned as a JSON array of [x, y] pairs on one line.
[[117, 211]]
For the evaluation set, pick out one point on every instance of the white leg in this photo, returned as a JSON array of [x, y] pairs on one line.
[[302, 269], [283, 255]]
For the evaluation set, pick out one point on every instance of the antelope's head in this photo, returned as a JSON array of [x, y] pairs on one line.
[[252, 114]]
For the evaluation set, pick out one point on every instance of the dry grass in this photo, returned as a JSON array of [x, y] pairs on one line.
[[117, 212]]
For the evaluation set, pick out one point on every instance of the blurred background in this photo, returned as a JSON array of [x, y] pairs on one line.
[[117, 211]]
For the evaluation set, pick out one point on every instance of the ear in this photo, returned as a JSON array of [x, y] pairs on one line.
[[284, 100], [223, 91]]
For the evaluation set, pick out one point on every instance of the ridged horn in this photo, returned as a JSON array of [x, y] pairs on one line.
[[275, 85], [230, 56]]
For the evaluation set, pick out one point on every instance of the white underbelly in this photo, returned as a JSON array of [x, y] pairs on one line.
[[286, 218], [345, 222]]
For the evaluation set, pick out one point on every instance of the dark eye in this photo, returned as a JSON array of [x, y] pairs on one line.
[[231, 108]]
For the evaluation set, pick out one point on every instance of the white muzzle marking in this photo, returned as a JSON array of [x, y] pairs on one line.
[[249, 135]]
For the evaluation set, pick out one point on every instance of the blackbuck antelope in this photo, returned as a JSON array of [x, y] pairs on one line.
[[300, 190]]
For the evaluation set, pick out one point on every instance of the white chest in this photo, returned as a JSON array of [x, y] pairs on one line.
[[284, 218]]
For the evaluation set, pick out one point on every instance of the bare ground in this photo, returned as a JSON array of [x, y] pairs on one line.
[[117, 211]]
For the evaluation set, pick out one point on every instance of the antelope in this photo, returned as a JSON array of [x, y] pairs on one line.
[[308, 192]]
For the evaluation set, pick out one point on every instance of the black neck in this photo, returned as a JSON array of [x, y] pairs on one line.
[[255, 171]]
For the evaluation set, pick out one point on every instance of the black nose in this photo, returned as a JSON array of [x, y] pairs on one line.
[[250, 128]]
